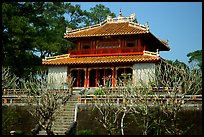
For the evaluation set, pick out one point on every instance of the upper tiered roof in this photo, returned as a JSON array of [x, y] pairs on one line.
[[111, 26], [116, 26]]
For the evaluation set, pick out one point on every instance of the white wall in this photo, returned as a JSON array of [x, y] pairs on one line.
[[143, 72], [57, 76]]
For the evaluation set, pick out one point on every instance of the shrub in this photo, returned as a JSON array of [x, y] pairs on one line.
[[86, 132], [99, 92], [19, 132]]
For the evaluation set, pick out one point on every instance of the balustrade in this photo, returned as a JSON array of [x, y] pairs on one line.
[[105, 51]]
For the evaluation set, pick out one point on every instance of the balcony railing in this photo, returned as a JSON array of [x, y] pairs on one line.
[[105, 51]]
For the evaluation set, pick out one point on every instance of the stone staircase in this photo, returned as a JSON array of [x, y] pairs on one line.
[[65, 117]]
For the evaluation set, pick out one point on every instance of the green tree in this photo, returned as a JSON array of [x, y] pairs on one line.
[[9, 118], [17, 39], [76, 15], [177, 63], [98, 14], [32, 31], [196, 57]]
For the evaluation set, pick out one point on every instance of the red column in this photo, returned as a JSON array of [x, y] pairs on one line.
[[113, 77], [85, 76], [96, 78], [104, 76], [88, 73], [78, 78], [125, 77]]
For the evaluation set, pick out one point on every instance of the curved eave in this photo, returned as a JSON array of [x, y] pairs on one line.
[[162, 46], [96, 35], [102, 60]]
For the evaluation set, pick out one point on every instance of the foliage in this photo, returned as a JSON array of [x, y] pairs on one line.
[[45, 101], [85, 132], [32, 31], [70, 82], [158, 112], [8, 119], [179, 82], [108, 116], [99, 92], [177, 63], [196, 57], [98, 14], [17, 39], [180, 77], [9, 80], [19, 132]]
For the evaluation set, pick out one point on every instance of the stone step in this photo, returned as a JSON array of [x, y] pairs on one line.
[[67, 109], [65, 113], [69, 106], [59, 129], [64, 120], [72, 101], [65, 116], [55, 132], [43, 132], [59, 133], [60, 126]]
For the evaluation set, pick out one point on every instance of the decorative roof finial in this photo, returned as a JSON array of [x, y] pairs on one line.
[[120, 14], [147, 25]]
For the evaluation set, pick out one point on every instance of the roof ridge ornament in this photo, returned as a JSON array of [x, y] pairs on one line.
[[109, 18], [120, 13], [68, 29], [132, 18], [147, 25]]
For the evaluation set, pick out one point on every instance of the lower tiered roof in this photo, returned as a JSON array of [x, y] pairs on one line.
[[67, 60]]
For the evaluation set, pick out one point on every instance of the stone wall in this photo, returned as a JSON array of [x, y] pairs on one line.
[[57, 76], [143, 73]]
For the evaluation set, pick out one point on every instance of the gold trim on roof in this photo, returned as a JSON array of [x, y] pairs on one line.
[[102, 59]]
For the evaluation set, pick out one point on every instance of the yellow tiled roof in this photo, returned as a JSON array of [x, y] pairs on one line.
[[100, 59]]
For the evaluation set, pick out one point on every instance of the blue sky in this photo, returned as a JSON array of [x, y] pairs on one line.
[[178, 22]]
